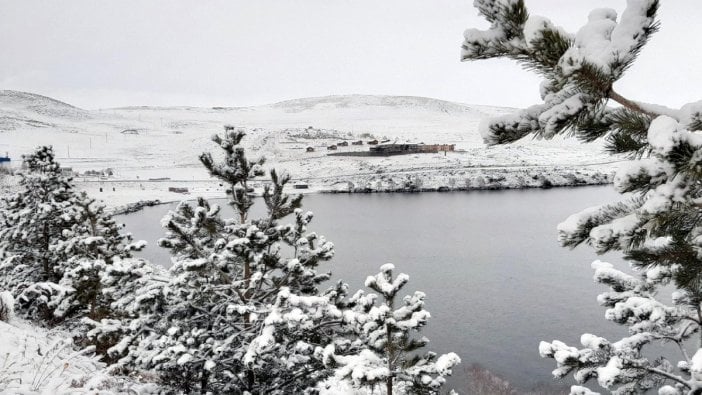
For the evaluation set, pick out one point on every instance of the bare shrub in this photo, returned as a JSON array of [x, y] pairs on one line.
[[481, 381], [7, 303], [484, 382]]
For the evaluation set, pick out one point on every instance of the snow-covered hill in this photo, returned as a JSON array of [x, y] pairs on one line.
[[139, 143]]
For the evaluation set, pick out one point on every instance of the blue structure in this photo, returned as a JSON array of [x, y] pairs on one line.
[[5, 160]]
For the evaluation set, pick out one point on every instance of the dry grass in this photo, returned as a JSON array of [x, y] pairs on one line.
[[484, 382]]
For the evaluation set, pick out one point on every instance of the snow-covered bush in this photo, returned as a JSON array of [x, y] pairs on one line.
[[656, 224]]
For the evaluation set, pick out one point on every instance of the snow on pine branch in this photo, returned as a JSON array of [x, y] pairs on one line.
[[578, 69], [622, 366]]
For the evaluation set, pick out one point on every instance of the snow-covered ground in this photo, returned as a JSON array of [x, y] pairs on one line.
[[34, 360], [140, 144]]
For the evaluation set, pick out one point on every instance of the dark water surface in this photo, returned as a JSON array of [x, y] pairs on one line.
[[496, 280]]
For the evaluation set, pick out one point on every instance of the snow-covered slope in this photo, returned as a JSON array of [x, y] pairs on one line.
[[139, 143], [39, 106]]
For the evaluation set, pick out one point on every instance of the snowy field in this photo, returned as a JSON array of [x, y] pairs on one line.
[[150, 149]]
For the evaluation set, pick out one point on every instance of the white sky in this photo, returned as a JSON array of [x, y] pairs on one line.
[[234, 53]]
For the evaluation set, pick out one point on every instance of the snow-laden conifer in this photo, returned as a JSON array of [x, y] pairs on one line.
[[58, 245], [230, 279], [387, 346], [656, 224], [33, 220], [92, 243]]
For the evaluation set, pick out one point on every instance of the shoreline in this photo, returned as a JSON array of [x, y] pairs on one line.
[[125, 195], [136, 206]]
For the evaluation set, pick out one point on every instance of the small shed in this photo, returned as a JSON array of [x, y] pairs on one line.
[[5, 160]]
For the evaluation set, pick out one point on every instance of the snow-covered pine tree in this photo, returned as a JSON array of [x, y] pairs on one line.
[[386, 348], [135, 290], [227, 276], [93, 242], [58, 246], [191, 231], [656, 224], [32, 221]]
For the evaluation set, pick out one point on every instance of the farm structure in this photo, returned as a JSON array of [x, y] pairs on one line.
[[5, 160], [404, 149], [399, 149]]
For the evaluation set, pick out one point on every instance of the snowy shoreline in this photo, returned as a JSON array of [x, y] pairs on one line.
[[127, 201]]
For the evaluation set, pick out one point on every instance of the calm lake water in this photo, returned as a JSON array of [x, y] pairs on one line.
[[496, 279]]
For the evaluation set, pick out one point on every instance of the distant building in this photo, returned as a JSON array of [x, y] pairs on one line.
[[343, 144], [405, 149], [373, 142], [359, 142], [177, 189], [300, 185], [67, 171], [5, 160]]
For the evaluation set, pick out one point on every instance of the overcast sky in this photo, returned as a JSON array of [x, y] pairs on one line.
[[97, 54]]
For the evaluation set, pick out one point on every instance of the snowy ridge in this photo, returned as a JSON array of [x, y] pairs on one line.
[[40, 105], [360, 101]]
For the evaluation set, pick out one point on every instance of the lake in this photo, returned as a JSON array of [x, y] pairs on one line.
[[496, 279]]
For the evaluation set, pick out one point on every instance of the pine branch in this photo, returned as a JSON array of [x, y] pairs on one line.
[[667, 375], [632, 105]]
